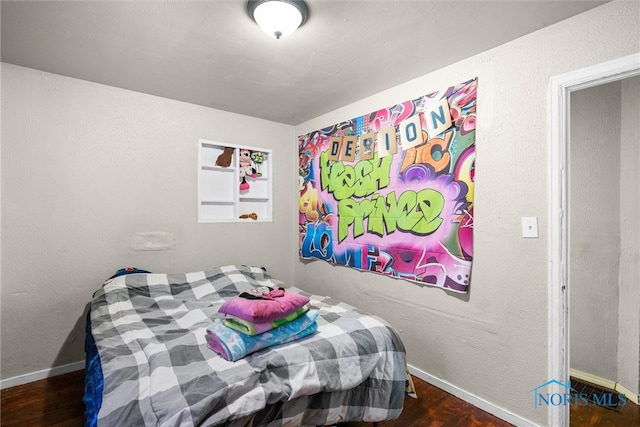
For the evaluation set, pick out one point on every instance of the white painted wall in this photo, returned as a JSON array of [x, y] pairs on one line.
[[84, 167], [594, 224], [629, 308], [493, 342]]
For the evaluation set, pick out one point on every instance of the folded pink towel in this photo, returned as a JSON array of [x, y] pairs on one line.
[[264, 304]]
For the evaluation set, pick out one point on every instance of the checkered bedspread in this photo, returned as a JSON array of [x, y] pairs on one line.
[[158, 371]]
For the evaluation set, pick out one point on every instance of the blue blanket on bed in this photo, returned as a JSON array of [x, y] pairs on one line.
[[93, 381]]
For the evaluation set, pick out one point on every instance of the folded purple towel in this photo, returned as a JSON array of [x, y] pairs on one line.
[[264, 304]]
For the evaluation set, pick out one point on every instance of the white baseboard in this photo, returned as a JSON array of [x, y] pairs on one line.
[[605, 383], [476, 401], [593, 379], [40, 375], [630, 395]]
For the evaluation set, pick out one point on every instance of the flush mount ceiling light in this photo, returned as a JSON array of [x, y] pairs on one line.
[[278, 18]]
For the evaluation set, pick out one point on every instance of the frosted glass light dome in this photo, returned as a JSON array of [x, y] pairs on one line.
[[278, 18]]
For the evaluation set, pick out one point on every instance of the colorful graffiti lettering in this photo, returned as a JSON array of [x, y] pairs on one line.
[[317, 241], [433, 153], [413, 212], [363, 179], [405, 214], [392, 116], [309, 203]]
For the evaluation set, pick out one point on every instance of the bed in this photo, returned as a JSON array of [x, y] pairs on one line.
[[148, 363]]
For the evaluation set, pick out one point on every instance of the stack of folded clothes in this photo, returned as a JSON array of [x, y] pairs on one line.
[[258, 319]]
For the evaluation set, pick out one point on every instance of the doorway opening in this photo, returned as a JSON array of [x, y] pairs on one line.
[[561, 88]]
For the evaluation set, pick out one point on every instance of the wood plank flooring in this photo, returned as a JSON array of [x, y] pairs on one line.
[[57, 401], [592, 415], [437, 408]]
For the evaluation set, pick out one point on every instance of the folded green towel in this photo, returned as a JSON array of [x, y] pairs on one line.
[[250, 328]]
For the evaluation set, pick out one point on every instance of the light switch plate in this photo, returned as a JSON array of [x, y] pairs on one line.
[[530, 226]]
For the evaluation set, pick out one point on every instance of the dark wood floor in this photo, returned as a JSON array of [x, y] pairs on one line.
[[437, 408], [57, 401], [592, 415]]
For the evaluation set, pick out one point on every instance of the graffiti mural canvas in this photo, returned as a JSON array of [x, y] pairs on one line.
[[391, 192]]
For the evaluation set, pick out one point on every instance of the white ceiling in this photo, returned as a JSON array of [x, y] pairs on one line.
[[211, 53]]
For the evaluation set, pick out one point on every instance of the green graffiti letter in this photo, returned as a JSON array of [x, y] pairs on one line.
[[430, 203], [407, 204], [375, 224], [337, 177], [325, 169], [363, 187], [385, 215], [342, 181], [371, 175], [353, 213]]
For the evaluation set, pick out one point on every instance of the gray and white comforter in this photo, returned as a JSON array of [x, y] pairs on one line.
[[158, 371]]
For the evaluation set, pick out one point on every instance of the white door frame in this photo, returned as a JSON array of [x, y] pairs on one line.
[[561, 87]]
